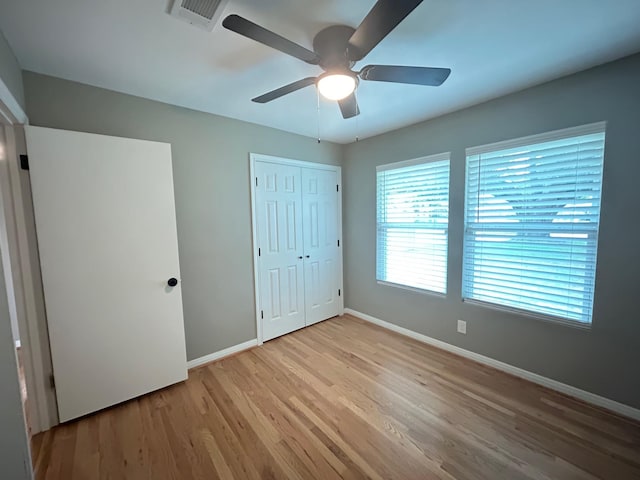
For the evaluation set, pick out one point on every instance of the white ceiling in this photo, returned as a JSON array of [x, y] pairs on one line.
[[492, 46]]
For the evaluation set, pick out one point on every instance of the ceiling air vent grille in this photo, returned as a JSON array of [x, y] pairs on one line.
[[200, 13], [204, 8]]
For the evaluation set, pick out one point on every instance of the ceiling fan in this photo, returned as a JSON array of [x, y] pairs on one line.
[[337, 48]]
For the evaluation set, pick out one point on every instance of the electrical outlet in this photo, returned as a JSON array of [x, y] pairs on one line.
[[462, 327]]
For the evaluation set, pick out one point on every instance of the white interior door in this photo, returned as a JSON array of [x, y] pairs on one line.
[[320, 232], [105, 219], [278, 210]]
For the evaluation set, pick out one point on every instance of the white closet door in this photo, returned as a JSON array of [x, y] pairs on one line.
[[279, 233], [320, 231], [107, 238]]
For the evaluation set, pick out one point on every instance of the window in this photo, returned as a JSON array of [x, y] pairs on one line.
[[531, 222], [412, 218]]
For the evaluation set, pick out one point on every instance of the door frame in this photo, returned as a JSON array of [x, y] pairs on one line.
[[259, 157], [11, 116], [41, 402]]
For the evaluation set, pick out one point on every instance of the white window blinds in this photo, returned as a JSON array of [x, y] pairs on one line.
[[531, 222], [412, 221]]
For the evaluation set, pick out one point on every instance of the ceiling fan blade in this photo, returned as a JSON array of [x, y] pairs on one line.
[[244, 27], [383, 17], [429, 76], [279, 92], [349, 106]]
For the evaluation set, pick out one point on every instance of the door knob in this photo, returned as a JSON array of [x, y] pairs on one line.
[[172, 282]]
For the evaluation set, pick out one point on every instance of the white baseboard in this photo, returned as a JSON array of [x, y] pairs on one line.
[[212, 357], [583, 395]]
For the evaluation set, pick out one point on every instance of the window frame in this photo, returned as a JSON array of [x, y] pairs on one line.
[[438, 157], [567, 133]]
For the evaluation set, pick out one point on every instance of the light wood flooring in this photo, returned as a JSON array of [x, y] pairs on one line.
[[345, 399]]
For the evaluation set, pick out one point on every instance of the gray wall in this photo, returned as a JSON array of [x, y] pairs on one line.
[[211, 176], [10, 71], [603, 360]]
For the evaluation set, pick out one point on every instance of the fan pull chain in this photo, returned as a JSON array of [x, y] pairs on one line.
[[318, 97], [355, 95]]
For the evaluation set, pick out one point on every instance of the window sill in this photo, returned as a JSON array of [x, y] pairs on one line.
[[536, 316], [412, 289]]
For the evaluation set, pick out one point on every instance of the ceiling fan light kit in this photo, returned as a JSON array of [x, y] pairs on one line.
[[337, 48], [336, 86]]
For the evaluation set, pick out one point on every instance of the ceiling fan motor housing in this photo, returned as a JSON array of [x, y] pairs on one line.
[[332, 44]]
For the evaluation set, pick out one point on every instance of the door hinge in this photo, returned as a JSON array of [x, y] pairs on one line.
[[259, 252], [339, 292], [261, 313], [337, 188], [24, 162], [52, 381], [338, 242], [256, 181]]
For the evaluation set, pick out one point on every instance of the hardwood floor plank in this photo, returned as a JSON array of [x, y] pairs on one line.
[[87, 453], [261, 453], [237, 459], [272, 409], [160, 458], [344, 399]]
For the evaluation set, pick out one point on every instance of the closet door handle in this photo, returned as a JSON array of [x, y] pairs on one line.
[[300, 257], [306, 256]]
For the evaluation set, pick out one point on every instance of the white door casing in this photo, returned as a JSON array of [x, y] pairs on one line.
[[279, 220], [105, 219], [15, 455], [320, 232], [316, 260]]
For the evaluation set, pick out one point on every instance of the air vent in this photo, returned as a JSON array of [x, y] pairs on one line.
[[199, 13]]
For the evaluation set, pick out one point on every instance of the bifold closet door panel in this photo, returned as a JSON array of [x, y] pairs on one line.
[[320, 234], [279, 234]]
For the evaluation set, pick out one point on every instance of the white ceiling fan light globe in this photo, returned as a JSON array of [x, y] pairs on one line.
[[336, 86]]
